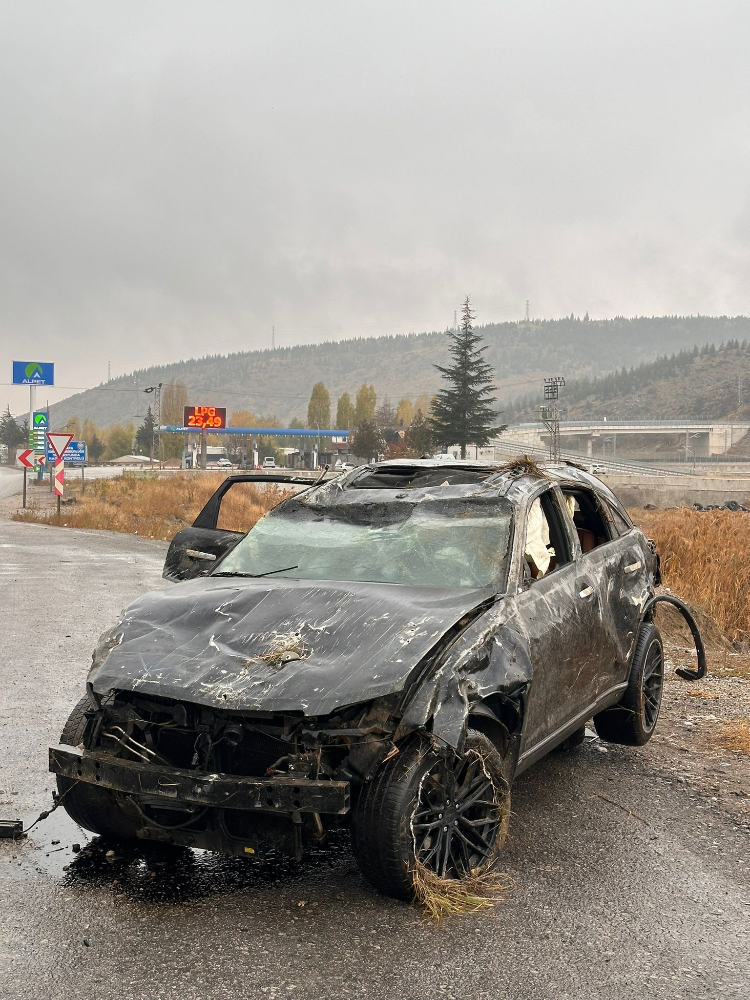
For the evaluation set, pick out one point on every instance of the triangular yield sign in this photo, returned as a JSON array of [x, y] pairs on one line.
[[59, 442]]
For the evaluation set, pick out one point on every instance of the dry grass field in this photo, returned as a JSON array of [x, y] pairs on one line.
[[155, 507], [705, 555], [705, 559]]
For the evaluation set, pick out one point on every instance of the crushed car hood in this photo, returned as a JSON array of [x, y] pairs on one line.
[[225, 643]]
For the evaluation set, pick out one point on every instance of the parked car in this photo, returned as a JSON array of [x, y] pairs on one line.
[[269, 462], [224, 463], [385, 651]]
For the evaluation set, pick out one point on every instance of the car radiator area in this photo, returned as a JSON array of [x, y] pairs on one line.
[[195, 777]]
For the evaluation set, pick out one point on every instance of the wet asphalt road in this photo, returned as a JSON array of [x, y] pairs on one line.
[[608, 904]]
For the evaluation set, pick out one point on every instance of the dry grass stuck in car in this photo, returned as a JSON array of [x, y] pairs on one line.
[[450, 897]]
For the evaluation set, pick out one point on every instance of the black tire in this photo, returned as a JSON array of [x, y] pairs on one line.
[[385, 840], [95, 809], [574, 740], [633, 719]]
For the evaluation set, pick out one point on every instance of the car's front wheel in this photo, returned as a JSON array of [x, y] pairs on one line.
[[632, 720], [423, 808], [95, 809]]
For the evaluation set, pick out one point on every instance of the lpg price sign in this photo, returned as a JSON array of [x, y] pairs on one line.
[[210, 417]]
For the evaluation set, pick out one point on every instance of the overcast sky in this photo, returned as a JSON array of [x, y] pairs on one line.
[[176, 178]]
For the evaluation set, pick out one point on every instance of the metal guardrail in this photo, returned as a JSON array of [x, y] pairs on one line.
[[510, 447], [619, 424]]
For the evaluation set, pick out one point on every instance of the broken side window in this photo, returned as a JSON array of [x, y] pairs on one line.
[[618, 519], [547, 545], [591, 525]]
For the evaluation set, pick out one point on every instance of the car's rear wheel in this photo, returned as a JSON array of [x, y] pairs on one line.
[[93, 808], [576, 739], [449, 814], [633, 719]]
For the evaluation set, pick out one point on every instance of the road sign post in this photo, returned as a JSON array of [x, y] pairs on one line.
[[59, 482], [58, 443], [32, 374], [23, 457]]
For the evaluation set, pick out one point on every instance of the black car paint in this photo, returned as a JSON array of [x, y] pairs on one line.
[[528, 665], [211, 642], [205, 641]]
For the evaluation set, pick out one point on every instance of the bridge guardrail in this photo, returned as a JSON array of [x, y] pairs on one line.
[[511, 447]]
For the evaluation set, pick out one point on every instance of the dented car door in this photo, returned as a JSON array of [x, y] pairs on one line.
[[561, 615]]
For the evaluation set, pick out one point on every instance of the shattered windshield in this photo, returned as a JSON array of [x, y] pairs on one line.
[[459, 542]]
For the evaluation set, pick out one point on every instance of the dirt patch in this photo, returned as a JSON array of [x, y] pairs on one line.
[[702, 738]]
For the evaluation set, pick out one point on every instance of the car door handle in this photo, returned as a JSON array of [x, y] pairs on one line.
[[634, 567], [586, 593], [197, 554]]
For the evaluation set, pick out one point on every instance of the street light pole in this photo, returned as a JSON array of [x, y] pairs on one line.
[[156, 413]]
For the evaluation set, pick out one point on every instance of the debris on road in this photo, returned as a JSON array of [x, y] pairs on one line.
[[11, 829]]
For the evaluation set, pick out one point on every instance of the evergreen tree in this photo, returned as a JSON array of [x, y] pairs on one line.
[[385, 415], [144, 438], [319, 407], [95, 448], [419, 436], [368, 441], [461, 412], [12, 434]]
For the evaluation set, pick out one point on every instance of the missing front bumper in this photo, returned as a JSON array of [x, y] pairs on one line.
[[218, 791]]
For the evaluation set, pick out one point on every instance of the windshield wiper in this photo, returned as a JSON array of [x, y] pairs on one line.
[[255, 576]]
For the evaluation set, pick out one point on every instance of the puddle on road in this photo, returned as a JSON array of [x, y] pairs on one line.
[[165, 874]]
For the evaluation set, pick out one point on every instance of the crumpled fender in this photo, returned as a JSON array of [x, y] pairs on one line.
[[489, 661]]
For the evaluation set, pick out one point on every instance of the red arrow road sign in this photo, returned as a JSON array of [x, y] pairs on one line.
[[59, 442], [23, 458]]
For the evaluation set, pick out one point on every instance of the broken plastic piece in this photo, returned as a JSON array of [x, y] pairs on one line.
[[687, 675], [11, 828]]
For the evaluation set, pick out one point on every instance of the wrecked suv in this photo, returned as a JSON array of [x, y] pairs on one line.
[[385, 651]]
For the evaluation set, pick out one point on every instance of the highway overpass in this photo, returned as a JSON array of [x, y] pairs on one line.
[[699, 438]]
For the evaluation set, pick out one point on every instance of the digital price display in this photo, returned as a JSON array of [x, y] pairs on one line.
[[210, 417]]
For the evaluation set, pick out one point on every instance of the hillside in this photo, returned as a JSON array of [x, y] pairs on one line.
[[279, 382], [702, 382]]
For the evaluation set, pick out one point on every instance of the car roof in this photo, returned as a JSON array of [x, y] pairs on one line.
[[418, 479]]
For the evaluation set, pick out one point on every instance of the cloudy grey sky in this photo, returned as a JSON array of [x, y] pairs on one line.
[[177, 177]]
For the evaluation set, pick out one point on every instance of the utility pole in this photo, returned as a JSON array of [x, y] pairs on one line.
[[739, 392], [455, 320], [156, 413], [109, 371], [273, 338], [550, 415], [526, 317]]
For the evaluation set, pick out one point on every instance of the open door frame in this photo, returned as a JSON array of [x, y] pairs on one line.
[[194, 551]]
